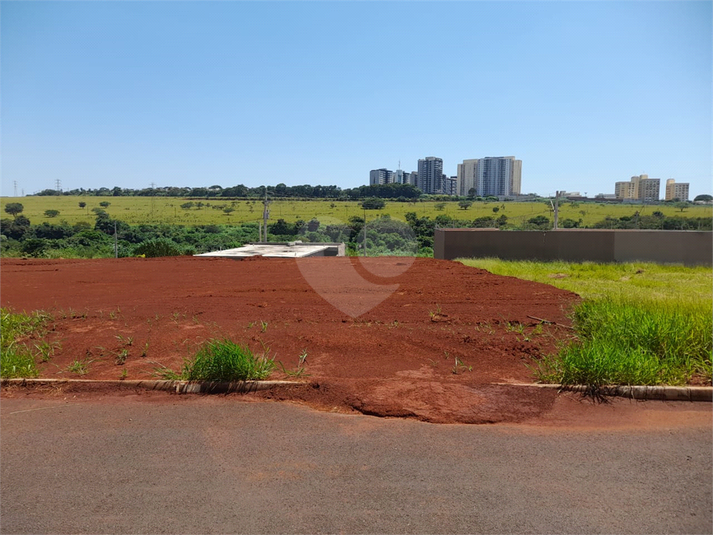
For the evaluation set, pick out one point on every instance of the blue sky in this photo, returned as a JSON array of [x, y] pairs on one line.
[[200, 93]]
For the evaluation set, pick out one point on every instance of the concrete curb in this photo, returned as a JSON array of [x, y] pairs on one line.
[[665, 393], [180, 387]]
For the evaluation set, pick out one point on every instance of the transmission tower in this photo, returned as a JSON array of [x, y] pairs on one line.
[[58, 186], [14, 183]]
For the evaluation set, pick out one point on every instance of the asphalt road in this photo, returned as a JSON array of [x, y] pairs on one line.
[[220, 465]]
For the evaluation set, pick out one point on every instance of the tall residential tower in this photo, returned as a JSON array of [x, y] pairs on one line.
[[430, 175], [498, 176]]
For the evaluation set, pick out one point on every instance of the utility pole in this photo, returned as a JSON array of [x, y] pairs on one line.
[[556, 207], [116, 242], [265, 214], [364, 231], [153, 199]]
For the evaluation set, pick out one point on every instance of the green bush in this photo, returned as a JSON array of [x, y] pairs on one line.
[[224, 360], [158, 247], [373, 203], [35, 247]]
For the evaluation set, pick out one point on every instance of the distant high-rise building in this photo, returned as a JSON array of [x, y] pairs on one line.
[[649, 189], [640, 187], [466, 176], [380, 176], [430, 175], [516, 178], [676, 190], [449, 185], [400, 177], [625, 190], [490, 176], [413, 178]]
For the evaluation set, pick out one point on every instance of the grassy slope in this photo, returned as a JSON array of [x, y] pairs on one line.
[[137, 210], [633, 281], [639, 324]]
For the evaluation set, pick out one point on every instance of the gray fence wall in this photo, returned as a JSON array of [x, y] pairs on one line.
[[578, 245]]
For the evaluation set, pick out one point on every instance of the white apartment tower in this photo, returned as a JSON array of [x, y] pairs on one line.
[[490, 176], [400, 177], [467, 171]]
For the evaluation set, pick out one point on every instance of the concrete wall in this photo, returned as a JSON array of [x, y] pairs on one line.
[[578, 245]]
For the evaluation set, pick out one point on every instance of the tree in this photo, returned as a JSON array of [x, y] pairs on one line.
[[496, 210], [104, 204], [14, 208], [681, 205], [439, 206], [373, 204], [15, 229], [51, 213], [539, 222], [464, 205], [703, 198], [282, 228], [82, 204], [313, 225], [187, 205]]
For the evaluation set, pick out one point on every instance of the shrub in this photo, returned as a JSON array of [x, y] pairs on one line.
[[158, 247], [373, 204], [34, 246]]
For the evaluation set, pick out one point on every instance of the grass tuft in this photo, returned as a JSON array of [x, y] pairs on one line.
[[224, 360], [16, 357]]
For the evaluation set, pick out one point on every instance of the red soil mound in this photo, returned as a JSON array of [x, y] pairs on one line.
[[430, 343]]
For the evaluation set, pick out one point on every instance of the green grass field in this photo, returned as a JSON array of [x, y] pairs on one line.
[[639, 323], [167, 210]]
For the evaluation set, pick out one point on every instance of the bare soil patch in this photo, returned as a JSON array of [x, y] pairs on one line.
[[431, 350]]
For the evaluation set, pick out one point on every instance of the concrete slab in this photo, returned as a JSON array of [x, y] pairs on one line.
[[295, 249]]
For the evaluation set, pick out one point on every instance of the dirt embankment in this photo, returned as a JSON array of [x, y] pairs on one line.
[[382, 336]]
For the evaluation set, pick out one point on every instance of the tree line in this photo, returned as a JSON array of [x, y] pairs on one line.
[[383, 191], [377, 236]]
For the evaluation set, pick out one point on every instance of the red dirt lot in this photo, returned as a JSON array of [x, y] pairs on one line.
[[381, 335]]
